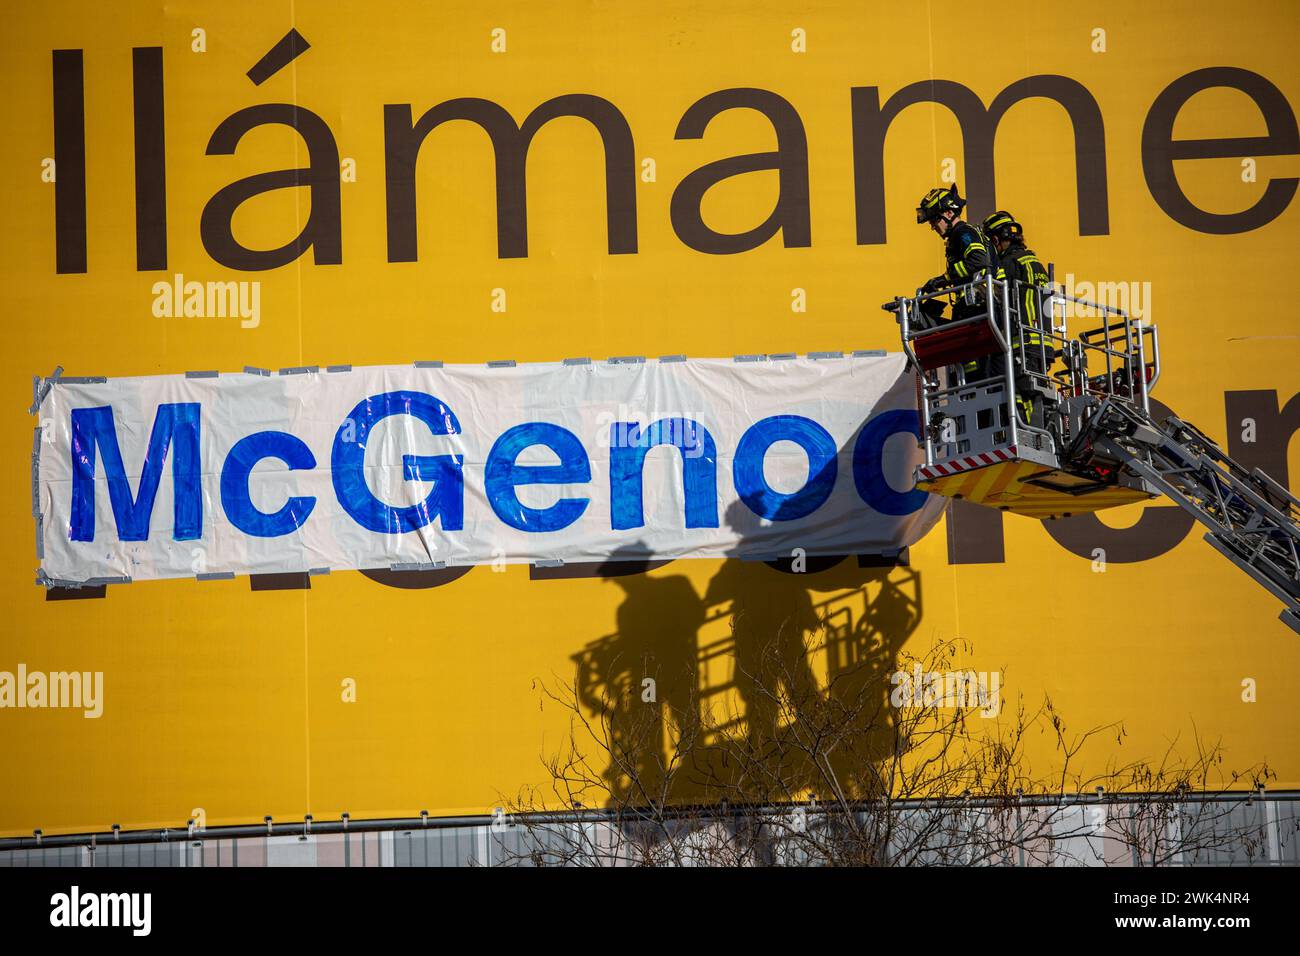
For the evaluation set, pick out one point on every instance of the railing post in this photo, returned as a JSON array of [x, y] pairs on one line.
[[1008, 370], [1142, 369]]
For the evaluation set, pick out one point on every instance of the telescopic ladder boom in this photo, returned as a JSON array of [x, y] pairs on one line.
[[1251, 519]]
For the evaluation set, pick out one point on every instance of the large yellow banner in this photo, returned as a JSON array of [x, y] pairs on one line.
[[198, 186]]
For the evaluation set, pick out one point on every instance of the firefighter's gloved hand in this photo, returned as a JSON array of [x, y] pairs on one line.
[[938, 282]]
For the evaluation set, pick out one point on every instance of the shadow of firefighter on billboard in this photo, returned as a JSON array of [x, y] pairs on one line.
[[639, 681], [772, 687]]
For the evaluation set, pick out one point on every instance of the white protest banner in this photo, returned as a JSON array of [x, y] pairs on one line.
[[418, 467]]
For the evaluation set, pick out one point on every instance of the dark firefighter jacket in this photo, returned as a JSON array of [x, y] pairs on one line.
[[1025, 274], [966, 252]]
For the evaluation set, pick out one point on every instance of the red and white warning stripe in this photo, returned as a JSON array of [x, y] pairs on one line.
[[943, 469]]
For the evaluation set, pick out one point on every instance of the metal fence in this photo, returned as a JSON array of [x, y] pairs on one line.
[[1255, 829]]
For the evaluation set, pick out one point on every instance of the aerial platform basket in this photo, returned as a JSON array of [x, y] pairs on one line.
[[999, 421], [1018, 415]]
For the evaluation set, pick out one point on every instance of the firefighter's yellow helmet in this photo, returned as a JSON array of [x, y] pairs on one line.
[[1003, 225], [938, 201]]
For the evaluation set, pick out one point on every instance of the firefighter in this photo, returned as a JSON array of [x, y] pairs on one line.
[[968, 256], [964, 247], [1026, 276]]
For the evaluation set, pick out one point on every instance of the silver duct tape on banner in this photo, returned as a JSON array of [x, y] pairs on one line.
[[41, 387], [45, 580]]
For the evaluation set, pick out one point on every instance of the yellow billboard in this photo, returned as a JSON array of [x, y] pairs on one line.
[[381, 183]]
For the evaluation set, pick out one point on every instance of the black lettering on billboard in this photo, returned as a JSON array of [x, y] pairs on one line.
[[417, 580], [510, 144], [1160, 149], [69, 162], [1274, 429], [323, 231], [974, 534], [978, 130], [790, 215], [1159, 530], [150, 159]]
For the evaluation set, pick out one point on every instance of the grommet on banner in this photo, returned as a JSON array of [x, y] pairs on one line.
[[215, 576], [750, 358], [306, 824], [117, 831], [267, 820], [204, 374], [428, 365], [41, 388], [577, 361], [501, 363], [38, 833], [254, 370], [300, 370], [668, 359], [424, 818], [817, 356], [345, 818], [626, 359], [338, 368]]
